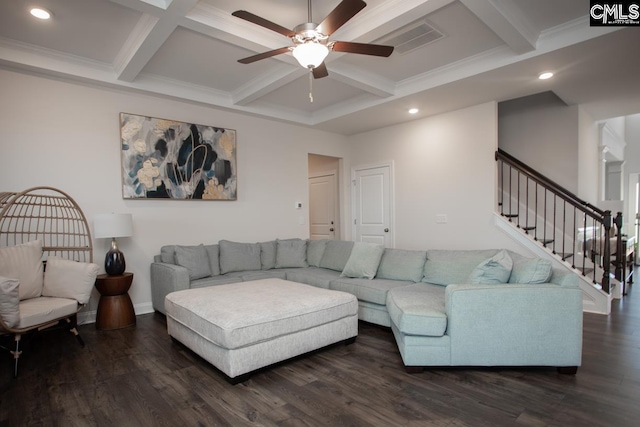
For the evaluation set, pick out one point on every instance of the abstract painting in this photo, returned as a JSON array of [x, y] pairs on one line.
[[168, 159]]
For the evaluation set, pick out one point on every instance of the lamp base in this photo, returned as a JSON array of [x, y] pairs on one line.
[[114, 263]]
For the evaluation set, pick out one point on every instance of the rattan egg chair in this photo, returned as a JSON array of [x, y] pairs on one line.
[[53, 217]]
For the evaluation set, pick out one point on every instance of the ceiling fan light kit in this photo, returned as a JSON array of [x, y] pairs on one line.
[[311, 41]]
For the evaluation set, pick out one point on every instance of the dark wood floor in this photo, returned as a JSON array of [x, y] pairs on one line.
[[139, 377]]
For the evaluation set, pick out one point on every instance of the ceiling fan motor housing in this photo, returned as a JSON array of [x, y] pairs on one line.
[[307, 32]]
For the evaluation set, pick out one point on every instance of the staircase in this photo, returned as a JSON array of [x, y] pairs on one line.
[[556, 224]]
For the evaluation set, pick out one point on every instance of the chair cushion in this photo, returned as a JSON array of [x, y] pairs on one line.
[[35, 311], [291, 253], [69, 279], [363, 261], [9, 301], [195, 259], [401, 264], [24, 263], [236, 256]]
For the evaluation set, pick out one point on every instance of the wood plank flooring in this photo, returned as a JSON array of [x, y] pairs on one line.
[[138, 377]]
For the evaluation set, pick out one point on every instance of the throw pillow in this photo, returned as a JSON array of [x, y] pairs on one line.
[[291, 253], [236, 256], [167, 254], [530, 270], [195, 259], [9, 302], [69, 279], [24, 263], [336, 254], [445, 266], [214, 258], [363, 261], [268, 254], [315, 250], [402, 264], [496, 269]]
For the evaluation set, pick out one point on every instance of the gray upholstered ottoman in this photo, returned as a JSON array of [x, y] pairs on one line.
[[245, 326]]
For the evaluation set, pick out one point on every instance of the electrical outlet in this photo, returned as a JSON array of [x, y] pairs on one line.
[[298, 205], [441, 219]]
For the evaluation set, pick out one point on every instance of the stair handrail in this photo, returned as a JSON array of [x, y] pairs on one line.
[[548, 183], [604, 217]]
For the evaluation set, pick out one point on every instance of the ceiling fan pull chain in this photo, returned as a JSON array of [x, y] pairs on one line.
[[310, 85]]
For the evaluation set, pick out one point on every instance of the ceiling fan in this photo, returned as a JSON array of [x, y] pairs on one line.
[[311, 41]]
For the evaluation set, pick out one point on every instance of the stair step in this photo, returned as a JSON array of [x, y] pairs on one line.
[[510, 215], [529, 228], [565, 256], [545, 242]]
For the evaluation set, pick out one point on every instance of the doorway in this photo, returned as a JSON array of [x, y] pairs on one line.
[[372, 204], [324, 197]]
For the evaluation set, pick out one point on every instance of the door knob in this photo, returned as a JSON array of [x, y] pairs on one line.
[[386, 230], [331, 229]]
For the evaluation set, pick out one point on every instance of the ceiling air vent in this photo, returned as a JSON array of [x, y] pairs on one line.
[[412, 36]]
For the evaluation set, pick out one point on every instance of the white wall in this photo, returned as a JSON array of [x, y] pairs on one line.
[[632, 169], [442, 165], [67, 136], [542, 131], [588, 158]]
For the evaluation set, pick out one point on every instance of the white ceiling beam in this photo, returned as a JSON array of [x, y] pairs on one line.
[[363, 80], [507, 21], [266, 84], [148, 37]]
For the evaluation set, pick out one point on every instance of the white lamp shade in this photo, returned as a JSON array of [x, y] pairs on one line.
[[112, 225], [310, 54]]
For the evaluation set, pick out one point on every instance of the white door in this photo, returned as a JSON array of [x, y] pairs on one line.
[[372, 220], [322, 207]]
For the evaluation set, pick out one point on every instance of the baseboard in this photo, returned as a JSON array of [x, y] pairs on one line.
[[86, 317]]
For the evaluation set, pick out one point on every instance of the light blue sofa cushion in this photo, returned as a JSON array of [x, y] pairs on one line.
[[315, 250], [214, 258], [444, 267], [530, 270], [401, 264], [291, 253], [336, 254], [268, 254], [374, 291], [318, 277], [363, 261], [494, 270], [418, 309], [195, 259], [236, 256]]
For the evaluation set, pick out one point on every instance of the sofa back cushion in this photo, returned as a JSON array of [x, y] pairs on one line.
[[315, 250], [336, 254], [445, 267], [236, 256], [168, 256], [268, 254], [291, 253], [24, 263], [402, 264], [195, 259]]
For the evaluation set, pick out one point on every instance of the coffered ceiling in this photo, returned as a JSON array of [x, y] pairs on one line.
[[188, 49]]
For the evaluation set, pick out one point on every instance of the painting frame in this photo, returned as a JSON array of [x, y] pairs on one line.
[[173, 160]]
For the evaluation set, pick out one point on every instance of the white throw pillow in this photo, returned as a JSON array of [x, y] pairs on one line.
[[69, 279], [9, 302], [24, 263]]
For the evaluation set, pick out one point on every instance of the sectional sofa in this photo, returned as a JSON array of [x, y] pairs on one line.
[[445, 307]]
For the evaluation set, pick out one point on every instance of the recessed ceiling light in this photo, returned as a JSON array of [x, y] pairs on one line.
[[40, 13], [546, 75], [413, 111]]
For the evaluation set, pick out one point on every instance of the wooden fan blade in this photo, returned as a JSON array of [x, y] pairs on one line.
[[263, 55], [255, 19], [320, 71], [363, 48], [340, 15]]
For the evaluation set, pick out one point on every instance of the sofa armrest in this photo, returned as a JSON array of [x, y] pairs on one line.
[[514, 324], [166, 278]]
